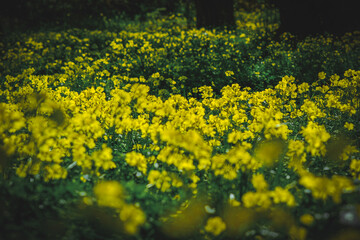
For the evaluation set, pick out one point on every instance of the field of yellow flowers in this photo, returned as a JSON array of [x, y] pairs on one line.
[[158, 131]]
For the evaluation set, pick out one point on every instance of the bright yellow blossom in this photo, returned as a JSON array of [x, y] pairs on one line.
[[259, 183], [315, 135], [229, 73], [321, 75], [349, 126], [137, 160]]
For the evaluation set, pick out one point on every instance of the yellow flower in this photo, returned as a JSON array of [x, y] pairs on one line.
[[296, 153], [348, 150], [137, 160], [215, 225], [259, 183], [206, 92], [103, 158], [304, 87], [155, 75], [280, 195], [349, 126], [234, 203], [229, 73], [109, 194], [307, 219], [257, 199], [355, 168], [315, 135], [132, 217], [323, 187], [295, 147], [311, 110], [322, 75], [160, 179], [54, 171]]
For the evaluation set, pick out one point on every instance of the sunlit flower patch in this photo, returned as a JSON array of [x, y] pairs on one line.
[[156, 155]]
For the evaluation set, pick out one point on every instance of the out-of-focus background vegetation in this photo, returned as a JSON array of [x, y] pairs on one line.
[[302, 17], [20, 15]]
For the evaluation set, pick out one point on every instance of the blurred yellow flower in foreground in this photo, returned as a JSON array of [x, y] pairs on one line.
[[186, 221], [307, 219], [238, 220], [268, 152], [109, 194], [215, 225]]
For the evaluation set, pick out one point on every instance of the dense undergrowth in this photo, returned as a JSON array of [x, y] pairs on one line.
[[153, 130]]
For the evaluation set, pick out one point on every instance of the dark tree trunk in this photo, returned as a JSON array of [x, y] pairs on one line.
[[214, 13], [306, 17]]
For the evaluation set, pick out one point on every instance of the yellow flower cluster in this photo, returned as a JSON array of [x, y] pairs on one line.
[[63, 123], [138, 160], [311, 110], [86, 114], [54, 133], [322, 187], [215, 226], [263, 198], [296, 153], [316, 137], [355, 168], [237, 158], [164, 180], [11, 121]]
